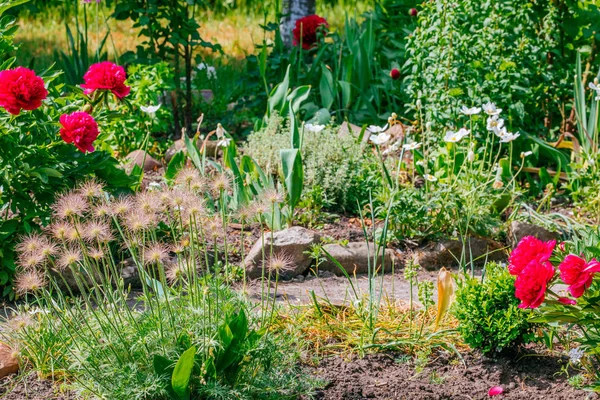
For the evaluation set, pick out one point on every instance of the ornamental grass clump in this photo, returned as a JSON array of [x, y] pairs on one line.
[[187, 335]]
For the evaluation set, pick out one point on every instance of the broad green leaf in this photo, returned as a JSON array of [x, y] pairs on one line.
[[180, 380], [293, 174], [175, 165], [326, 87]]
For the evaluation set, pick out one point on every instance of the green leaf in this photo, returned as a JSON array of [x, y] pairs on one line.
[[293, 174], [278, 94], [326, 87], [180, 380], [4, 6], [176, 163], [193, 152]]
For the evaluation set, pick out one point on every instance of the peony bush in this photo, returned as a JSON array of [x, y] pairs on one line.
[[47, 144], [560, 283]]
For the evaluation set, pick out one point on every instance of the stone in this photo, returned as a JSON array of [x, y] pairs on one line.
[[518, 230], [148, 163], [292, 243], [347, 128], [9, 364], [354, 258], [445, 253]]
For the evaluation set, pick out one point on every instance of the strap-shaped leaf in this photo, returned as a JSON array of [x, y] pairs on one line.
[[180, 380], [293, 174]]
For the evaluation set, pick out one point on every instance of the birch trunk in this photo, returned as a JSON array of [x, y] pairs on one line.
[[293, 10]]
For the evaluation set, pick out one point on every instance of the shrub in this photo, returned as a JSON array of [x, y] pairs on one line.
[[488, 312], [330, 161]]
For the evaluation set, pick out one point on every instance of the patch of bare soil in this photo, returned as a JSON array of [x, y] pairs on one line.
[[394, 376], [29, 386]]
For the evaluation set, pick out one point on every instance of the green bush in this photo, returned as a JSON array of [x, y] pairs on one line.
[[488, 313], [330, 162], [469, 52]]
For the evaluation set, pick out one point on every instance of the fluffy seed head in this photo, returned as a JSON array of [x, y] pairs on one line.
[[60, 230], [175, 272], [273, 196], [138, 221], [96, 231], [20, 321], [220, 183], [91, 189], [148, 202], [95, 253], [70, 205], [31, 243], [156, 253], [68, 258], [186, 176], [29, 282], [30, 261], [279, 262], [122, 206], [102, 211]]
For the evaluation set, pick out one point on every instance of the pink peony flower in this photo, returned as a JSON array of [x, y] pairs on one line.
[[395, 73], [573, 272], [495, 391], [21, 88], [106, 76], [306, 30], [530, 286], [567, 301], [529, 250], [79, 128]]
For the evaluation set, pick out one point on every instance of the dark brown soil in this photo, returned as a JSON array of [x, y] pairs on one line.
[[395, 377], [29, 386]]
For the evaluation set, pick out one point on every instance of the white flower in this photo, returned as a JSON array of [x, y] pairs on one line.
[[421, 163], [220, 132], [150, 110], [411, 146], [377, 129], [526, 154], [314, 128], [152, 186], [509, 137], [500, 132], [453, 137], [491, 109], [380, 139], [470, 111], [224, 142], [211, 72], [471, 156], [494, 122], [575, 355], [418, 104], [430, 178], [596, 88]]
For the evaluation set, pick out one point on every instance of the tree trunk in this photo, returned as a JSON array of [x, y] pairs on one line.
[[293, 10]]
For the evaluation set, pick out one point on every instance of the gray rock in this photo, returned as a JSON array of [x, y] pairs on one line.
[[355, 257], [148, 163], [446, 253], [292, 243], [518, 230]]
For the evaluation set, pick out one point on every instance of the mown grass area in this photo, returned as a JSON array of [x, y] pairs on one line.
[[237, 31]]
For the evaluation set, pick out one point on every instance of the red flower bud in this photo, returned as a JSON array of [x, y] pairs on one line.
[[395, 73], [413, 12]]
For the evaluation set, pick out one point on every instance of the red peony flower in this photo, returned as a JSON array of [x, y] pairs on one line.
[[79, 128], [395, 73], [106, 76], [306, 30], [530, 286], [21, 88], [573, 272], [529, 250]]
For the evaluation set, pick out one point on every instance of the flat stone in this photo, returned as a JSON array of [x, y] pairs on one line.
[[355, 257], [445, 253], [292, 243], [143, 160], [9, 364], [518, 230]]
